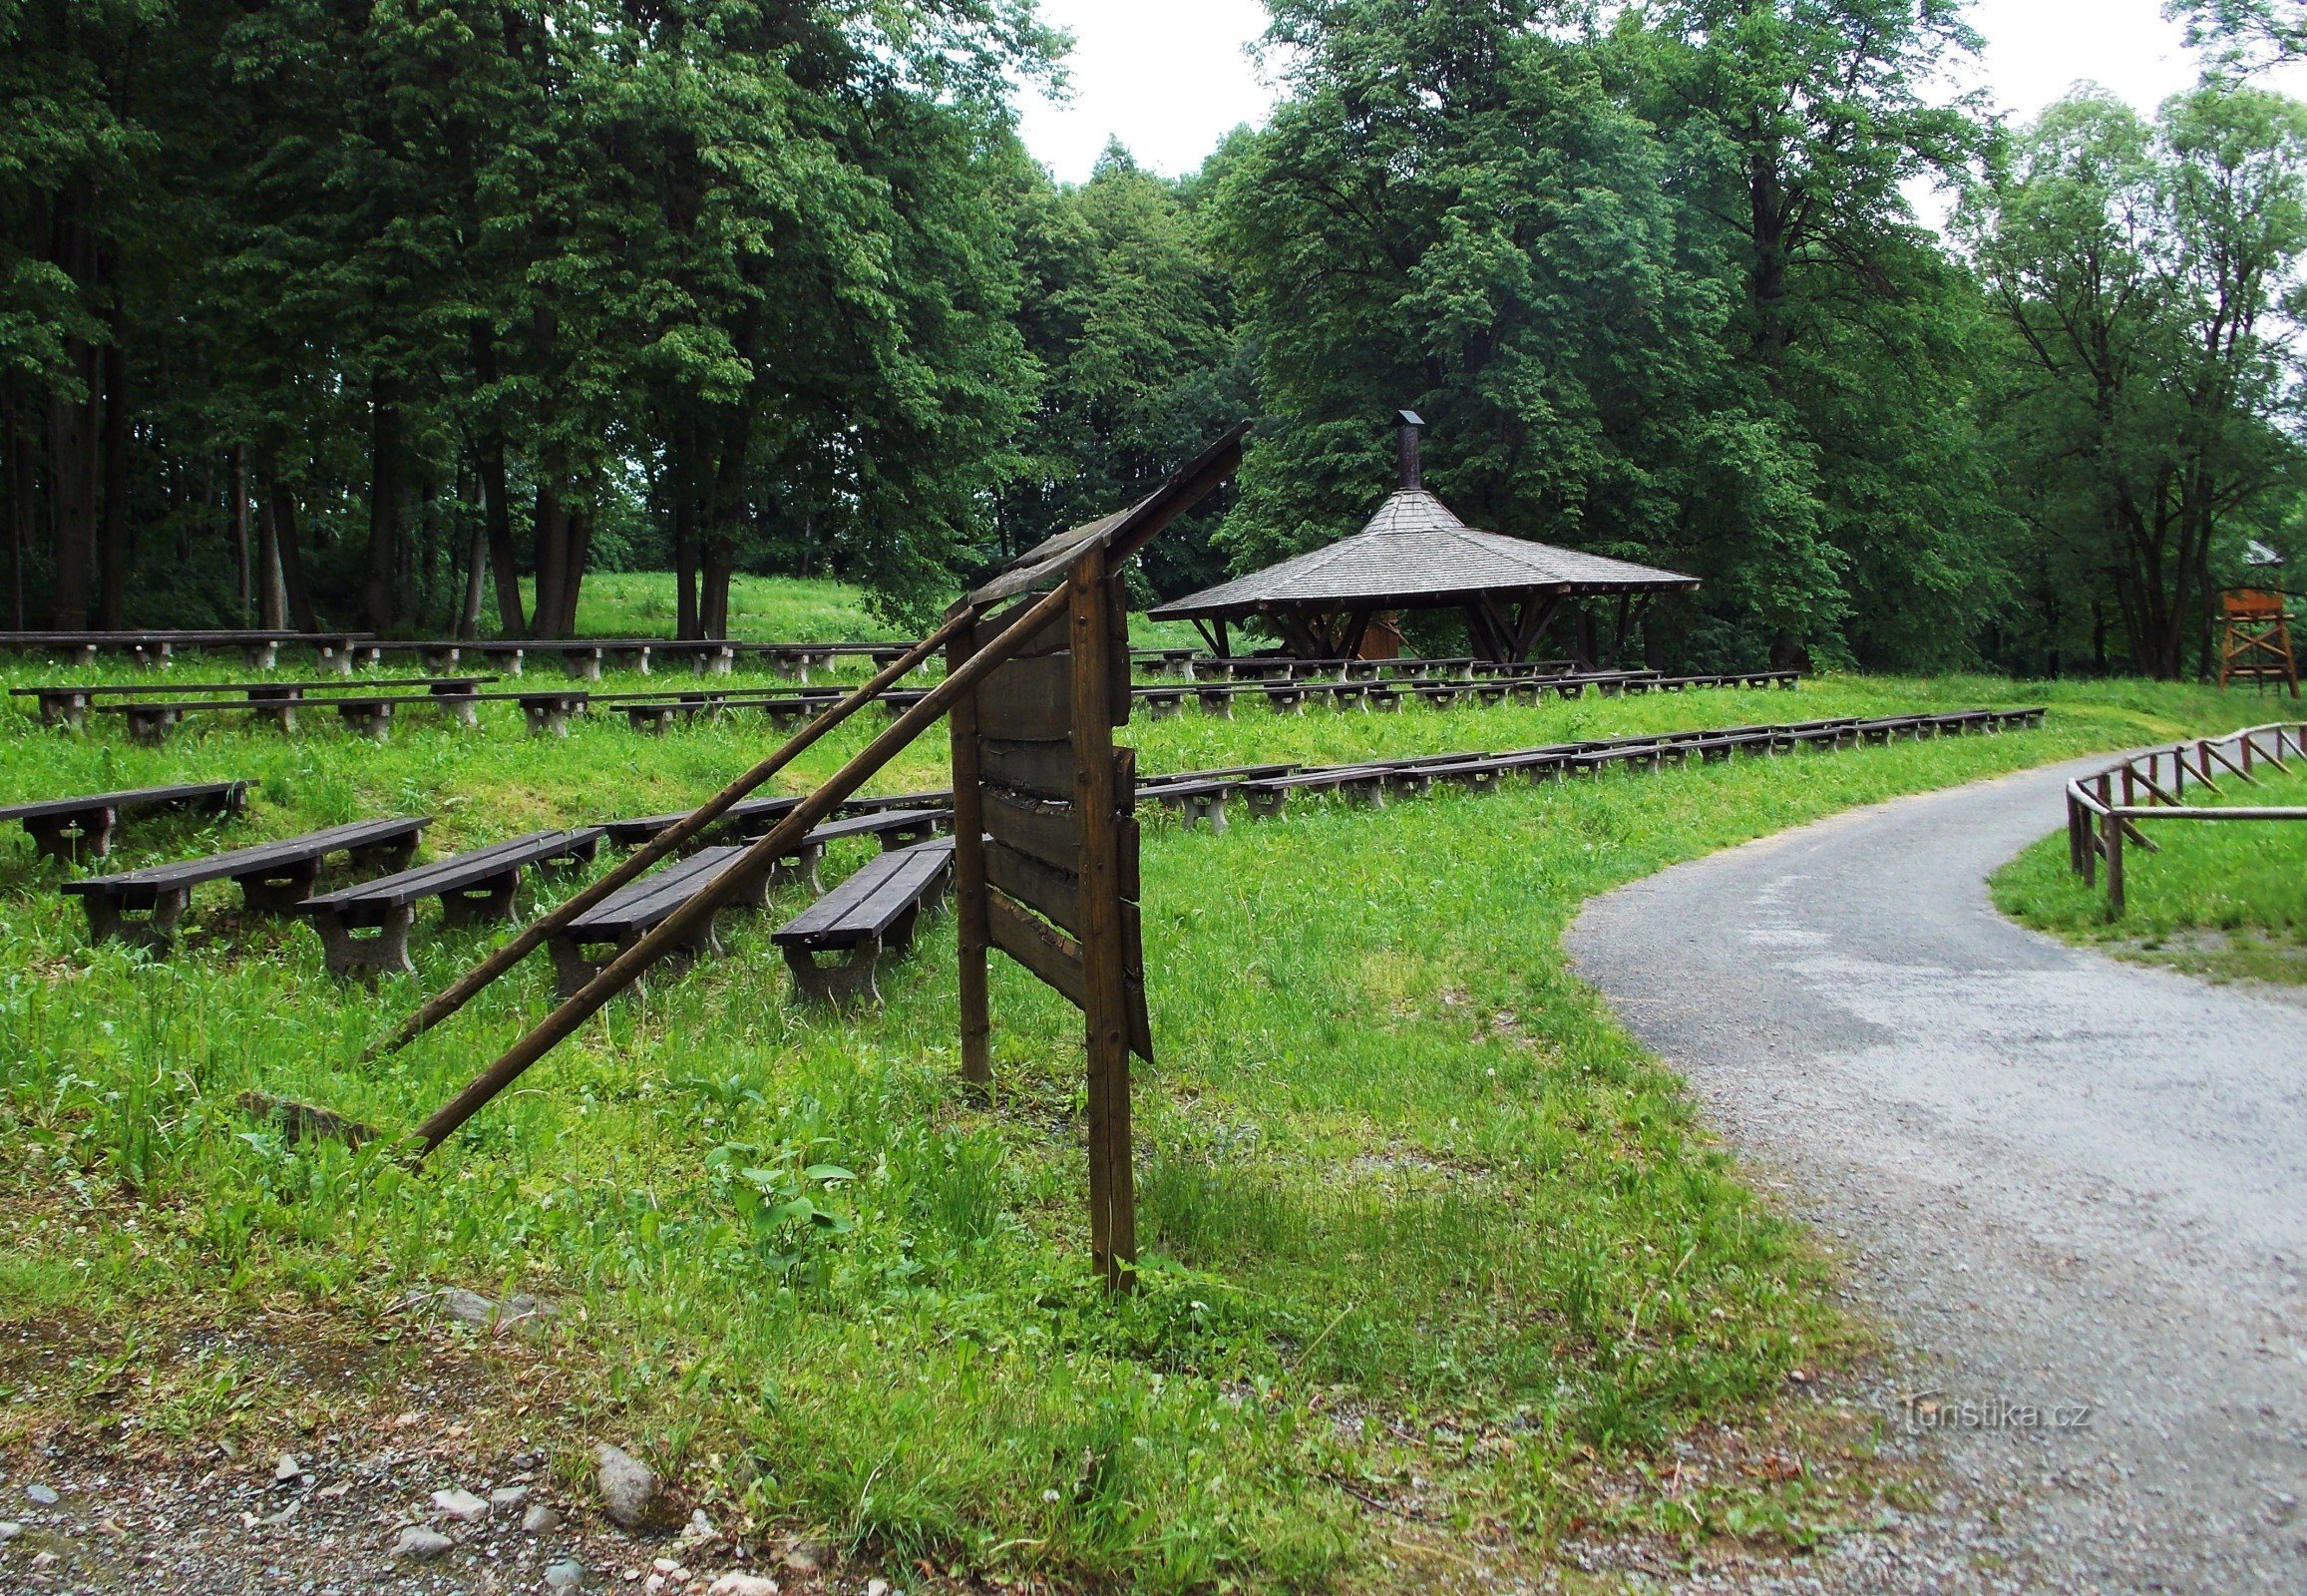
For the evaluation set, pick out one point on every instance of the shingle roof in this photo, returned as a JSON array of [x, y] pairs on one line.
[[1415, 552]]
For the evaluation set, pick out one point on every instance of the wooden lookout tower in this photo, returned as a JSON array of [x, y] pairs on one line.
[[2255, 642], [2256, 645]]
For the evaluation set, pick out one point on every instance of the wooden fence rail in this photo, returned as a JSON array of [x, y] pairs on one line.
[[2105, 810]]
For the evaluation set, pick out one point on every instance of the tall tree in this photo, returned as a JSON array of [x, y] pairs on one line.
[[1798, 128], [2150, 401], [1130, 318]]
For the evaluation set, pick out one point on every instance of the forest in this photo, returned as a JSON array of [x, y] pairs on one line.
[[408, 314]]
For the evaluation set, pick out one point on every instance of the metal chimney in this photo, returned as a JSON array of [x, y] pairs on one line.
[[1411, 475]]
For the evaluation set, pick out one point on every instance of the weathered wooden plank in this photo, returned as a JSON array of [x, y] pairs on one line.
[[1054, 893], [1058, 637], [1050, 834], [1042, 769], [1056, 959], [1027, 701], [1052, 639], [1041, 946], [1045, 770]]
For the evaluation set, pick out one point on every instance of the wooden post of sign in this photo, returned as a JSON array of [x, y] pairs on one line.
[[970, 878], [1105, 953]]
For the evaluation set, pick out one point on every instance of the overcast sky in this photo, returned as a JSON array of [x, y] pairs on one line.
[[1169, 78]]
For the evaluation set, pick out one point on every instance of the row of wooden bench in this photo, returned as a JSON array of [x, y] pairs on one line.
[[1202, 798], [364, 928], [345, 652], [1189, 666], [152, 713]]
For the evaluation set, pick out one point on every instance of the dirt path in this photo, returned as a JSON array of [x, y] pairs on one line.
[[2075, 1188]]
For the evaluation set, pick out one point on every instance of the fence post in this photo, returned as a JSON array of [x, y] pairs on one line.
[[2178, 772], [2114, 862], [2073, 834]]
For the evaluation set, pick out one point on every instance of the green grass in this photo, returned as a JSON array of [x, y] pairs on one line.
[[1414, 1204], [640, 604], [2224, 899]]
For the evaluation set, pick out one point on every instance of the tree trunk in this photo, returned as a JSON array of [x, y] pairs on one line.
[[686, 624], [551, 552], [720, 564], [272, 586], [288, 541], [475, 582], [112, 597], [240, 552], [720, 530], [17, 457], [496, 522], [72, 492], [1765, 201], [578, 533], [496, 506], [384, 508]]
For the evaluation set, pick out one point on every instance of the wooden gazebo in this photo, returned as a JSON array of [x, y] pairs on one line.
[[1416, 554]]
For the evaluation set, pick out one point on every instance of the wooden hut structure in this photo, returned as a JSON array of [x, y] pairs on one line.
[[1417, 554]]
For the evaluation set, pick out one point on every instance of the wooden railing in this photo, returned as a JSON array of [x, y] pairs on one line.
[[2104, 811]]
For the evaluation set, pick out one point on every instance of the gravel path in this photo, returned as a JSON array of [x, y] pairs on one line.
[[2068, 1184]]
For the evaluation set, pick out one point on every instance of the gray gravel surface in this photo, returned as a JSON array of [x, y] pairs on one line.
[[2072, 1187]]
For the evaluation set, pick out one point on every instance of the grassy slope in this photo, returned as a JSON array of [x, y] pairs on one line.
[[640, 604], [1413, 1203], [2227, 901]]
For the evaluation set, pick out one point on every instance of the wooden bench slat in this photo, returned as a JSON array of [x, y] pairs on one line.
[[247, 861], [450, 874], [127, 799]]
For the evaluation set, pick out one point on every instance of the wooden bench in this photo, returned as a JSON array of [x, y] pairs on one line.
[[273, 877], [871, 916], [752, 816], [474, 888], [547, 713], [68, 705], [369, 712], [155, 649], [794, 659], [656, 712], [630, 913], [434, 656], [1173, 662], [1362, 785], [894, 829], [1198, 796], [755, 818], [69, 830]]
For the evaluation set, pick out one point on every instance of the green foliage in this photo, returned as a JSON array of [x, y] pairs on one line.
[[1659, 293], [2145, 400], [1131, 322], [713, 280]]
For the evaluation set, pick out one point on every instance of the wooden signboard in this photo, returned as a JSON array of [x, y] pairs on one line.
[[1045, 861]]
